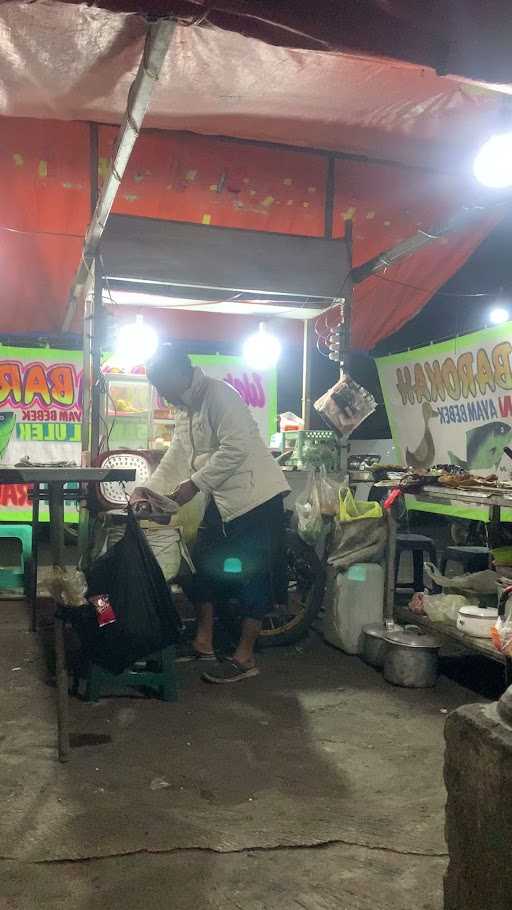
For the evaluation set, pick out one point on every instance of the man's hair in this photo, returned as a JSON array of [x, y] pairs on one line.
[[168, 357]]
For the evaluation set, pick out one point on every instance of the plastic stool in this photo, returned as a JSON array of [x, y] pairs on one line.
[[163, 680], [16, 578], [418, 544], [473, 559]]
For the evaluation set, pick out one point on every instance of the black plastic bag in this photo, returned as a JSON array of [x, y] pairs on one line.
[[145, 617]]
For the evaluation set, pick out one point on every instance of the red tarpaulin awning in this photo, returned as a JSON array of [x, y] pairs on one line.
[[409, 135]]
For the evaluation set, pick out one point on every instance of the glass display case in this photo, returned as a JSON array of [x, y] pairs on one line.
[[133, 416]]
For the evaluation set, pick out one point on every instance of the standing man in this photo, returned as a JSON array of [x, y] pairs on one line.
[[242, 535]]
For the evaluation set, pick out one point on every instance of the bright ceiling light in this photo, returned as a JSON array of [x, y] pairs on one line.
[[498, 314], [493, 164], [262, 350], [136, 342]]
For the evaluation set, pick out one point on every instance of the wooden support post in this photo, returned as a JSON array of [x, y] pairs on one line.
[[56, 508], [61, 672]]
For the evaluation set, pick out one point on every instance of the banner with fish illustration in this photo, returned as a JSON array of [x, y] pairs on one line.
[[40, 418], [41, 412], [451, 403]]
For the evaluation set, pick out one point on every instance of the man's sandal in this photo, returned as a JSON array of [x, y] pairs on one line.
[[229, 671]]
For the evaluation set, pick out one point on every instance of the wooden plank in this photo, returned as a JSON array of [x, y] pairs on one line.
[[446, 630]]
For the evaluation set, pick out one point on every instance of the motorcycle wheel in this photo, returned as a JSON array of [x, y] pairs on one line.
[[306, 582]]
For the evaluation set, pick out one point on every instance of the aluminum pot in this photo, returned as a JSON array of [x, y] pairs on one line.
[[374, 645], [412, 658]]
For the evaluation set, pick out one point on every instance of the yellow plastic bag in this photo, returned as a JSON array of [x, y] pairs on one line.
[[353, 510]]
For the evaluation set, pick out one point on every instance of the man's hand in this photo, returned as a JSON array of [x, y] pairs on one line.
[[184, 492]]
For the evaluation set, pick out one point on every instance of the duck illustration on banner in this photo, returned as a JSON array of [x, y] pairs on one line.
[[423, 455]]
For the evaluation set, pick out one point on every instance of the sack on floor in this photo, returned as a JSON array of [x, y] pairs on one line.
[[135, 611], [358, 541]]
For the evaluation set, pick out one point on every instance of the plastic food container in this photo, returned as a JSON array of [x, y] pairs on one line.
[[476, 622]]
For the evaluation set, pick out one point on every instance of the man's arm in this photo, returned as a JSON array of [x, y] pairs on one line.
[[171, 470], [232, 423]]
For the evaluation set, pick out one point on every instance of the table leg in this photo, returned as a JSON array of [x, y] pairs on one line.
[[56, 507], [62, 690], [35, 555], [389, 596]]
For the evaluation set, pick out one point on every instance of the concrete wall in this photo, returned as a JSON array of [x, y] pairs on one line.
[[478, 775]]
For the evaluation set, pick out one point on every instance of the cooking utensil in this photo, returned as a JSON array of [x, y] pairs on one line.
[[374, 643], [411, 658], [476, 622]]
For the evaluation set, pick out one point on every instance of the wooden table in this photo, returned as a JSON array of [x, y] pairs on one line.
[[493, 499], [55, 480]]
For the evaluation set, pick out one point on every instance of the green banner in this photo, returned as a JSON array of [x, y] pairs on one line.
[[451, 403]]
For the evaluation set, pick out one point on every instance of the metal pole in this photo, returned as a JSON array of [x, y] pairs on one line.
[[158, 37], [330, 189], [97, 323], [87, 381], [422, 238], [307, 352], [346, 326], [87, 332], [389, 595]]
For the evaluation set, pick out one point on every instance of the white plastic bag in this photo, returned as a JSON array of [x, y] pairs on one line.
[[443, 607], [308, 511], [479, 582], [329, 493]]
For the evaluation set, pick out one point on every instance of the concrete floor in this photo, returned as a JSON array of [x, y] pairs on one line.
[[314, 786]]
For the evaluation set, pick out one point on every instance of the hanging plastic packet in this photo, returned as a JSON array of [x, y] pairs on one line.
[[68, 586], [345, 405]]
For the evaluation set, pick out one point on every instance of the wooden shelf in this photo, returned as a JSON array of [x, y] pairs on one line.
[[447, 630], [481, 497]]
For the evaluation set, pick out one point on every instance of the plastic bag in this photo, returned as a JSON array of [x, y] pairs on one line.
[[68, 586], [415, 604], [189, 517], [351, 509], [345, 405], [329, 493], [443, 607], [308, 511], [130, 580], [501, 635], [479, 582]]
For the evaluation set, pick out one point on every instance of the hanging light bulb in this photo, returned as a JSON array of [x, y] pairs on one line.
[[136, 342], [498, 314], [262, 350], [493, 164]]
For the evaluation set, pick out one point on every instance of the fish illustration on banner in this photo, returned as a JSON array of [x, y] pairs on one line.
[[484, 447]]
